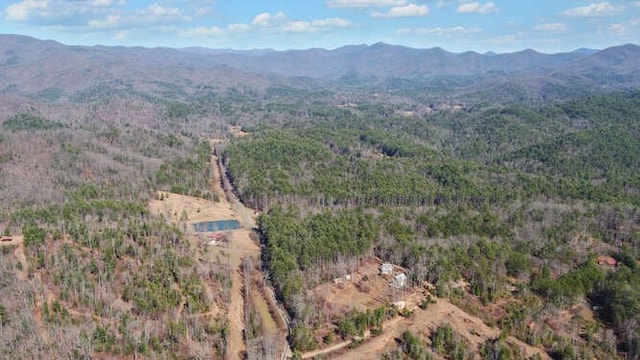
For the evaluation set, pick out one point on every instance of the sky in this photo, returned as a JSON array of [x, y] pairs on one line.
[[454, 25]]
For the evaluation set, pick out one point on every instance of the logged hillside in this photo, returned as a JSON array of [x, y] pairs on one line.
[[91, 272]]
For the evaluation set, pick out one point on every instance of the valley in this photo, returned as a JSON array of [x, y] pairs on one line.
[[318, 204]]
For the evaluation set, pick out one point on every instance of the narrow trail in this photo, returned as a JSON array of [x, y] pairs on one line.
[[388, 333]]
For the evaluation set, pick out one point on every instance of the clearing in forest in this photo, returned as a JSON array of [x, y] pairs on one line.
[[181, 209], [185, 211], [362, 289], [366, 289], [424, 323]]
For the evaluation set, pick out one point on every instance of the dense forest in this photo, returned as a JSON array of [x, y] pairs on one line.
[[495, 195]]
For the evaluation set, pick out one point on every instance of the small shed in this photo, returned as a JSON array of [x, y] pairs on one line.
[[400, 305], [386, 269], [217, 239], [399, 281], [216, 236], [607, 261]]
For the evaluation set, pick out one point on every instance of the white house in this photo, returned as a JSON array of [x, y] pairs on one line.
[[399, 281], [386, 269]]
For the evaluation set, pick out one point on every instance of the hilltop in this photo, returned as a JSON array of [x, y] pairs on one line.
[[53, 71]]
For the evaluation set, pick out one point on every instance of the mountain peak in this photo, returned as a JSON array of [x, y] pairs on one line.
[[380, 44], [585, 51], [378, 60]]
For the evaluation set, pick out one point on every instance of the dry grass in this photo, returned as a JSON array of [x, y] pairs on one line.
[[366, 290], [176, 208], [424, 322], [361, 294], [269, 324]]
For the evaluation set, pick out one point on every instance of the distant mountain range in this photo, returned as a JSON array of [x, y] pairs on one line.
[[30, 67]]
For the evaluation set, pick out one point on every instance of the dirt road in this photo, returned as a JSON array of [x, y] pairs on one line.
[[472, 328], [240, 246], [185, 210]]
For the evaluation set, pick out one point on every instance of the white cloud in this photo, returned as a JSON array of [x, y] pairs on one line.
[[153, 15], [54, 12], [280, 22], [107, 3], [314, 25], [477, 7], [149, 16], [595, 10], [110, 21], [617, 28], [297, 26], [628, 28], [409, 10], [364, 3], [71, 15], [331, 22], [157, 12], [203, 31], [24, 10], [122, 35], [502, 40], [211, 31], [203, 11], [443, 3], [199, 2], [439, 31], [551, 27], [267, 20], [239, 27]]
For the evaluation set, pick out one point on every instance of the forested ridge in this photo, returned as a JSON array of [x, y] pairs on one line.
[[495, 195]]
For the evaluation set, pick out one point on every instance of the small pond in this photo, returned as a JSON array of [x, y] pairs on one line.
[[218, 225]]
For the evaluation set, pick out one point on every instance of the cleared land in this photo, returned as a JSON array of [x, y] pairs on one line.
[[368, 289], [184, 211], [363, 289]]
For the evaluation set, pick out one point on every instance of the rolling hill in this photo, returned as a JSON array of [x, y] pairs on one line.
[[495, 183], [50, 70]]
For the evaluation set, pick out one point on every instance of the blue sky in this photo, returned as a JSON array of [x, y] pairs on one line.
[[455, 25]]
